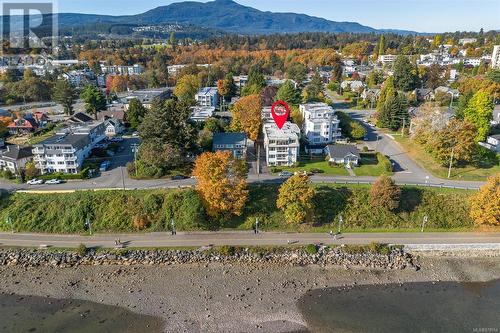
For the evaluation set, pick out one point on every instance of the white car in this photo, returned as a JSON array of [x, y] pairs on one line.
[[53, 182], [35, 182]]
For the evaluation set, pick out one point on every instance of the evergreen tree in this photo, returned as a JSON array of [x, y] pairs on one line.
[[404, 76], [135, 113], [381, 45], [65, 95], [314, 90], [288, 93], [94, 99]]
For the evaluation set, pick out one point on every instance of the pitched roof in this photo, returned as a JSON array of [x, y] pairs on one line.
[[104, 115], [341, 151], [228, 138], [17, 153], [80, 117]]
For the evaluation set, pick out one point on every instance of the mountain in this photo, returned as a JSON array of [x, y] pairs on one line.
[[219, 15]]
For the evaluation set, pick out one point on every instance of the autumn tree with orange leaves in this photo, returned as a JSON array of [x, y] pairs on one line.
[[221, 183], [485, 205], [247, 116]]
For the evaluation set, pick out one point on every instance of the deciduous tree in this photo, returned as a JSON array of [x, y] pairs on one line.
[[295, 199], [247, 116], [186, 88], [485, 205], [385, 194], [479, 111], [221, 183]]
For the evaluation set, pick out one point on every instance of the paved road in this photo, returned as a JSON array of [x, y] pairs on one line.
[[243, 238]]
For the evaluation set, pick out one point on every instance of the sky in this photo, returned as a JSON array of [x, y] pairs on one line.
[[416, 15]]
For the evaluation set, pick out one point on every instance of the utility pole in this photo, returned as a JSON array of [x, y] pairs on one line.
[[403, 130], [258, 158], [123, 178], [451, 161]]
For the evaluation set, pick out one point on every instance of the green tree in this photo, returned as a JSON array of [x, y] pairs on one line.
[[135, 113], [187, 87], [314, 90], [288, 93], [485, 204], [94, 99], [297, 72], [479, 112], [404, 74], [256, 82], [295, 199], [65, 95], [381, 46]]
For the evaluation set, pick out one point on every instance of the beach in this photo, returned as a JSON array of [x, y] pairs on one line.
[[226, 297]]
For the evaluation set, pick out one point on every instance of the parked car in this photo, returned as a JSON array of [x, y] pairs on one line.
[[35, 181], [314, 171], [135, 134], [53, 182], [285, 174], [104, 166], [178, 177]]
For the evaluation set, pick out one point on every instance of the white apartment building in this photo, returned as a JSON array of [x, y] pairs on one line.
[[495, 57], [207, 96], [281, 145], [66, 151], [122, 70], [387, 59], [463, 41], [321, 126], [79, 78]]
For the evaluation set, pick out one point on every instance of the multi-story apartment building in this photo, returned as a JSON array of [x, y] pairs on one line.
[[122, 70], [207, 96], [321, 125], [66, 151], [495, 57], [281, 145], [387, 59]]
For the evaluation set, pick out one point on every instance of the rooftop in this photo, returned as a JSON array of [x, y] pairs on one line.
[[229, 138], [288, 131], [16, 152], [341, 151]]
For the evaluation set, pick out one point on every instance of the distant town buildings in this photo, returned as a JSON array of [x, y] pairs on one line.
[[387, 59], [463, 41], [122, 70]]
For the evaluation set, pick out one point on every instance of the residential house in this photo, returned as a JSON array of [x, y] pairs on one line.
[[355, 85], [240, 81], [146, 96], [447, 90], [371, 95], [22, 125], [79, 78], [201, 113], [14, 158], [66, 151], [114, 127], [236, 143], [281, 145], [79, 118], [495, 57], [207, 96], [492, 143], [343, 154], [423, 94], [321, 126], [495, 121]]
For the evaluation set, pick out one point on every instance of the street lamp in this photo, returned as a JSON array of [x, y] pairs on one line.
[[424, 221], [257, 226], [135, 148], [340, 224], [8, 220], [88, 224], [172, 224]]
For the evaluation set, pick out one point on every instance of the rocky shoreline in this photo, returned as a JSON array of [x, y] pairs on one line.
[[394, 259]]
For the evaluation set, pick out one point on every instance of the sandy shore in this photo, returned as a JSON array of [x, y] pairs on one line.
[[224, 298]]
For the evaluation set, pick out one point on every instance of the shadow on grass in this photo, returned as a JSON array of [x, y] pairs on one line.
[[411, 198], [329, 202]]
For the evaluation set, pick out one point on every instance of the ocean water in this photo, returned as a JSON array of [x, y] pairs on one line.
[[38, 314], [410, 307]]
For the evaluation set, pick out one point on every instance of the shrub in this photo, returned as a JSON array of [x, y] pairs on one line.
[[311, 249], [384, 193], [386, 163], [141, 222], [485, 209], [227, 250], [81, 250]]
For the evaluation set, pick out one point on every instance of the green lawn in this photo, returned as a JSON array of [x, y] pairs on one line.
[[320, 164], [369, 166], [470, 173]]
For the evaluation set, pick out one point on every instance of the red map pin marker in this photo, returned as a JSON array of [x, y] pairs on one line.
[[280, 112]]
